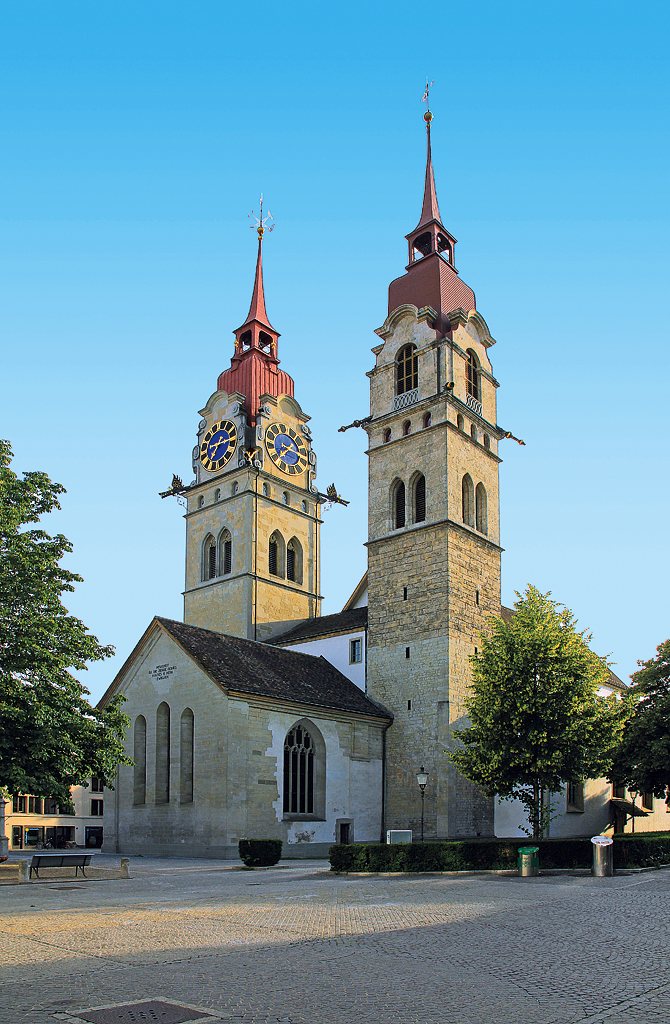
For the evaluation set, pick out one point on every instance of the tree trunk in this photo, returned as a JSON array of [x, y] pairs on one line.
[[536, 809]]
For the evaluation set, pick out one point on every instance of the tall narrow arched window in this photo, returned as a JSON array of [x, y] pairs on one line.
[[468, 500], [387, 435], [472, 375], [427, 420], [226, 553], [399, 505], [163, 754], [460, 422], [294, 561], [276, 551], [420, 500], [186, 757], [481, 511], [407, 369], [407, 428], [140, 759], [304, 776], [208, 558]]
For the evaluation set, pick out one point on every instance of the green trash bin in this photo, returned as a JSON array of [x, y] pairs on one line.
[[528, 861]]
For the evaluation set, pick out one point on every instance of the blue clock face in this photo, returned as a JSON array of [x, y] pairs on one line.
[[218, 445], [286, 449]]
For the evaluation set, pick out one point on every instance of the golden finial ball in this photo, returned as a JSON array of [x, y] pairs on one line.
[[428, 117]]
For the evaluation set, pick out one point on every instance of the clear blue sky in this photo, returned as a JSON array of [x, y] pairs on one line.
[[136, 137]]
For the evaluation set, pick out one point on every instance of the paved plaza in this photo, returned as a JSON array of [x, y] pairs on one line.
[[297, 944]]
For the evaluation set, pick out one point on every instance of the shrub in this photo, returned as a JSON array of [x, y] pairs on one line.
[[495, 854], [260, 853]]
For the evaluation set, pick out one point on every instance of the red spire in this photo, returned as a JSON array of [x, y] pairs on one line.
[[430, 210], [257, 307]]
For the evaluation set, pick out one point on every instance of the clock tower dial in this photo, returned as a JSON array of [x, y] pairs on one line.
[[286, 448], [218, 445]]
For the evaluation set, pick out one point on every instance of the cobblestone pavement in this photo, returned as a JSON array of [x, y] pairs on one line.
[[296, 944]]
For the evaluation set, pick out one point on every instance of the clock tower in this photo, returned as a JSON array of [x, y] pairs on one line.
[[433, 527], [252, 520]]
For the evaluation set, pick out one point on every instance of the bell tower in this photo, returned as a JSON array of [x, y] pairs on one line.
[[433, 532], [252, 520]]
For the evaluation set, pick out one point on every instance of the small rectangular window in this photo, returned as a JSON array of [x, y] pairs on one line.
[[648, 801], [355, 651], [407, 652], [404, 593], [575, 796], [409, 705], [477, 597], [34, 805], [96, 808], [97, 785]]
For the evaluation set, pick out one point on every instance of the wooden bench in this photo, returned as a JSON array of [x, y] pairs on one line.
[[60, 860]]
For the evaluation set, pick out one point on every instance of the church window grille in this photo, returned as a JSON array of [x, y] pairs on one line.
[[211, 562], [355, 651], [186, 757], [226, 548], [407, 428], [299, 757], [468, 493], [460, 422], [140, 759], [399, 505], [163, 754], [387, 435], [407, 369], [472, 376], [276, 551], [420, 500], [482, 515], [427, 420]]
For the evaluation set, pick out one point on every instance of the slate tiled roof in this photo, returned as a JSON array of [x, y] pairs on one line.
[[326, 625], [265, 671]]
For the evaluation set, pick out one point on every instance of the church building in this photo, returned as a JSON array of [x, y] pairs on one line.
[[257, 717]]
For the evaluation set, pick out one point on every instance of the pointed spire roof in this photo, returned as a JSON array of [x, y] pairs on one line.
[[430, 210], [257, 307]]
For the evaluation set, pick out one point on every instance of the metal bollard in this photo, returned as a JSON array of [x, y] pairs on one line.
[[24, 870], [528, 862], [125, 862], [602, 857]]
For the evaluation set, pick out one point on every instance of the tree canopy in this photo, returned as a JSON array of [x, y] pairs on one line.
[[50, 736], [537, 721], [642, 760]]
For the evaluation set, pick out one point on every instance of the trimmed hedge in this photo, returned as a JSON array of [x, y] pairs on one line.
[[494, 854], [260, 853]]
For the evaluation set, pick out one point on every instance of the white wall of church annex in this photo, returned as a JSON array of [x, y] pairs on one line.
[[336, 650]]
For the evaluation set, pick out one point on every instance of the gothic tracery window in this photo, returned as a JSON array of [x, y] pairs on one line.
[[299, 764]]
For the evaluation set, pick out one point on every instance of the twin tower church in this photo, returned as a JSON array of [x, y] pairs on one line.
[[257, 717]]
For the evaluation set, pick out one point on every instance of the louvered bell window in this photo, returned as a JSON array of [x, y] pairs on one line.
[[227, 557], [272, 558], [211, 562], [420, 500]]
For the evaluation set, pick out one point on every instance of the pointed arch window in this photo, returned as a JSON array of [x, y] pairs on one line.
[[294, 560], [226, 553], [276, 555], [209, 558], [399, 505], [468, 495], [163, 754], [186, 757], [481, 510], [140, 759], [472, 375], [420, 500], [407, 369]]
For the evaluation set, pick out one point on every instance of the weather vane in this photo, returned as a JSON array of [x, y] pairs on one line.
[[262, 224], [426, 97]]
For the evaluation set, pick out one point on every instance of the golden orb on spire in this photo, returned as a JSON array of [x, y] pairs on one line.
[[428, 117]]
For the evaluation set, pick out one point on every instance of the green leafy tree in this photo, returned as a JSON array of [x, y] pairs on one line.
[[537, 719], [642, 760], [50, 736]]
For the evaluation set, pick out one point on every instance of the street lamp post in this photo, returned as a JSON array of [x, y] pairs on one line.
[[422, 779]]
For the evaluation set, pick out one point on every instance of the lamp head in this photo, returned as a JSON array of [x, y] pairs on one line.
[[422, 777]]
